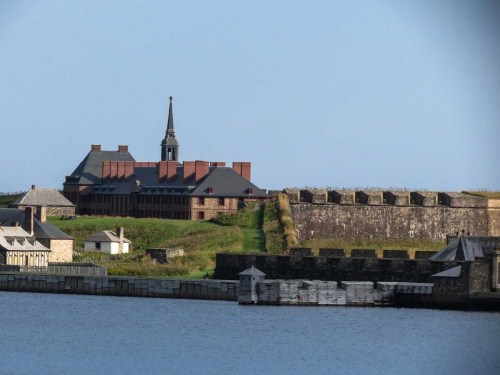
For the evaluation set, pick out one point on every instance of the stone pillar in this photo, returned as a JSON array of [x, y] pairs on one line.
[[119, 233]]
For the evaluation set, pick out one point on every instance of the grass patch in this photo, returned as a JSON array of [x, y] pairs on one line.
[[200, 240], [379, 246], [250, 222], [484, 194], [273, 231], [286, 221]]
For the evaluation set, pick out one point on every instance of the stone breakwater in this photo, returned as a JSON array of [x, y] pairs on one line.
[[120, 286], [348, 293]]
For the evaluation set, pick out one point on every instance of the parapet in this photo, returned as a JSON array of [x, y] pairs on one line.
[[369, 197], [315, 196], [397, 198], [293, 195], [425, 199], [461, 200], [341, 196]]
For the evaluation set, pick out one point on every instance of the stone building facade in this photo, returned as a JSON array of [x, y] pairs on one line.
[[112, 183], [45, 233]]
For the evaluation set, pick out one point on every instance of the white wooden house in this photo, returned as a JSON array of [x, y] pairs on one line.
[[108, 242]]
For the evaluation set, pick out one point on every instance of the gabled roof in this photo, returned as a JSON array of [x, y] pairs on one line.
[[42, 197], [89, 171], [10, 216], [252, 271], [106, 236], [467, 248]]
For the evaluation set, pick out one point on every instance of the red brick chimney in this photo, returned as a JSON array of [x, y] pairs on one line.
[[95, 148], [106, 170], [113, 170], [129, 169], [201, 169], [167, 170], [243, 168], [121, 169], [29, 220], [122, 148], [189, 169]]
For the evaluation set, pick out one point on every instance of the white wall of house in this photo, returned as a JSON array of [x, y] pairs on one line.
[[106, 247]]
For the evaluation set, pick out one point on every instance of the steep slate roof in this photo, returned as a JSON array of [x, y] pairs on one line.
[[10, 216], [89, 171], [224, 181], [467, 248], [452, 272], [106, 236], [42, 197]]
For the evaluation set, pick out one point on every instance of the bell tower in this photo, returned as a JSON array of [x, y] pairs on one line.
[[169, 145]]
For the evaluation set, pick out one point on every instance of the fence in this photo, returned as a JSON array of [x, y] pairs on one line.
[[70, 269]]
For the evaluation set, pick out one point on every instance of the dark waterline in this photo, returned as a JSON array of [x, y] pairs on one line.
[[75, 334]]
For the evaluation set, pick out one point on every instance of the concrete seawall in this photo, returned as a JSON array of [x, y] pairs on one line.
[[121, 286]]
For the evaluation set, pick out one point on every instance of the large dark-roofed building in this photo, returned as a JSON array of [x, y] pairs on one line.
[[112, 183]]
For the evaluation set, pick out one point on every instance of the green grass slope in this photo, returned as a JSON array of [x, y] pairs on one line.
[[201, 240]]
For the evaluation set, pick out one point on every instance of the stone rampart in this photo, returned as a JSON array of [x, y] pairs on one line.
[[120, 286], [228, 266], [382, 215]]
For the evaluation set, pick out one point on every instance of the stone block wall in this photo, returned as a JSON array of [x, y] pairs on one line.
[[383, 222], [60, 250], [228, 266], [121, 286], [385, 215]]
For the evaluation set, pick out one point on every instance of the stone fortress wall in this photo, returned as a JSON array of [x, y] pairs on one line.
[[382, 215], [329, 268]]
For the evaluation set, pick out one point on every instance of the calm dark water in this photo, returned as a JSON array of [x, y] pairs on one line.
[[70, 334]]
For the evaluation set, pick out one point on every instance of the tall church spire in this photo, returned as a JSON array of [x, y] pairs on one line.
[[169, 145]]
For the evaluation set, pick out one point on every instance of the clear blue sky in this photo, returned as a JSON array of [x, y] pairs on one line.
[[321, 93]]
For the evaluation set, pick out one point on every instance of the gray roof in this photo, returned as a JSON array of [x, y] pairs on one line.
[[224, 181], [452, 272], [89, 171], [105, 236], [467, 248], [42, 197], [10, 216], [252, 271]]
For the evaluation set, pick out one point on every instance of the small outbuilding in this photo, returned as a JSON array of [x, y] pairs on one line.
[[109, 242], [46, 202]]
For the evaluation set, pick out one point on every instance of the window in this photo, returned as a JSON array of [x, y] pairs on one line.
[[210, 190], [250, 191], [222, 201], [201, 201], [201, 215], [98, 246]]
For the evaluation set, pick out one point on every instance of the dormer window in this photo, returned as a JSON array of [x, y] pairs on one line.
[[250, 191], [210, 190]]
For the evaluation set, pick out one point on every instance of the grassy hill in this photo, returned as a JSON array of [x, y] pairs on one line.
[[201, 240]]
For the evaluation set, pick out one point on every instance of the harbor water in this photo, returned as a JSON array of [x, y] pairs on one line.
[[78, 334]]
